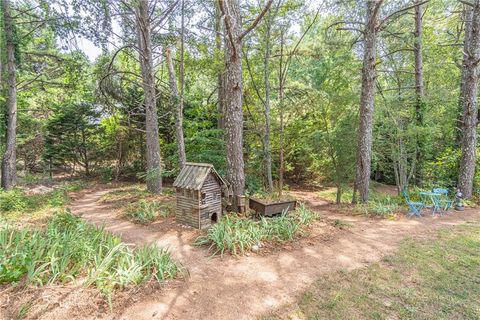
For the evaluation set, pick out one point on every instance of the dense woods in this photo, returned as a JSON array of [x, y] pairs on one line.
[[308, 92]]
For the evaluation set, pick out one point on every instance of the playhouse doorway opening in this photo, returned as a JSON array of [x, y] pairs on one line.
[[214, 218]]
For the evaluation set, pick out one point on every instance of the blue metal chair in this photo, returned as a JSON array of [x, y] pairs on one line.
[[415, 207], [445, 202]]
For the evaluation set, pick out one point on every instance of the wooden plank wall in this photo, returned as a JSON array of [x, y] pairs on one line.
[[213, 201], [187, 207]]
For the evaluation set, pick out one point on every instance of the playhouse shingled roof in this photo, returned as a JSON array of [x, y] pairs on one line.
[[193, 175]]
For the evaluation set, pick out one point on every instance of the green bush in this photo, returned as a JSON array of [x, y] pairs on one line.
[[144, 211], [237, 234], [12, 200], [70, 249]]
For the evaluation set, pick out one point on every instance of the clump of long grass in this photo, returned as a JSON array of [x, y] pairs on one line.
[[144, 211], [69, 249], [237, 234]]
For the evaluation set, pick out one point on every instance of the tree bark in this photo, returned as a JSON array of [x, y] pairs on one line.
[[154, 170], [281, 83], [467, 20], [233, 98], [9, 161], [469, 102], [233, 83], [419, 89], [220, 85], [369, 74], [266, 143], [182, 158]]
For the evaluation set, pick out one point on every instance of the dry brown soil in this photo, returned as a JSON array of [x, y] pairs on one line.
[[241, 287]]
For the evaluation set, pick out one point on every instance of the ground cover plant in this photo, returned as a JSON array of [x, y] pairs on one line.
[[138, 205], [69, 249], [381, 204], [237, 235], [430, 279], [145, 211], [125, 194], [18, 202]]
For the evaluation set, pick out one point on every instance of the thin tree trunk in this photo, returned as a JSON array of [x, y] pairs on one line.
[[469, 99], [338, 199], [178, 111], [9, 170], [364, 152], [419, 89], [85, 154], [281, 165], [267, 145], [154, 170], [179, 119]]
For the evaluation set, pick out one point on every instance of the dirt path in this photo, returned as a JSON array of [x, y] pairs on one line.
[[243, 288]]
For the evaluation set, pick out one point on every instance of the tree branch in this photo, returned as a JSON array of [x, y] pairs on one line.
[[256, 21], [400, 11], [228, 27]]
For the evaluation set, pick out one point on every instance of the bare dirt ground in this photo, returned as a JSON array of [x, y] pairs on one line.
[[253, 285]]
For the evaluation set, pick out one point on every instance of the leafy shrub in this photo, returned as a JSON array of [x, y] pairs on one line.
[[69, 249], [107, 174], [237, 234], [12, 200], [145, 211]]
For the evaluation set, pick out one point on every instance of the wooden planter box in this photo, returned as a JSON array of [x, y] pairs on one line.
[[272, 208]]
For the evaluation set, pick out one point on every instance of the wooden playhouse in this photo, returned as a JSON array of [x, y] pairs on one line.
[[199, 192]]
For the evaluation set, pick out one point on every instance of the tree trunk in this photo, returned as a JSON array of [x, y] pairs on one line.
[[364, 152], [86, 160], [419, 90], [233, 93], [469, 100], [9, 161], [154, 170], [467, 20], [178, 111], [179, 119], [233, 101], [281, 83], [266, 144], [220, 85], [338, 198]]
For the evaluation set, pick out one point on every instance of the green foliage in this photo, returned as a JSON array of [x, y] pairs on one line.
[[72, 136], [12, 200], [145, 211], [380, 203], [383, 207], [237, 234], [18, 201], [70, 249]]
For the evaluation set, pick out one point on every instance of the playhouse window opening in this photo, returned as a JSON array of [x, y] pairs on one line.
[[204, 198]]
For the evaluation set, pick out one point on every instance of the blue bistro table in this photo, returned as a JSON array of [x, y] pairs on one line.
[[431, 200]]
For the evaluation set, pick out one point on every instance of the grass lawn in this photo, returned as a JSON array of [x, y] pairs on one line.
[[429, 279]]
